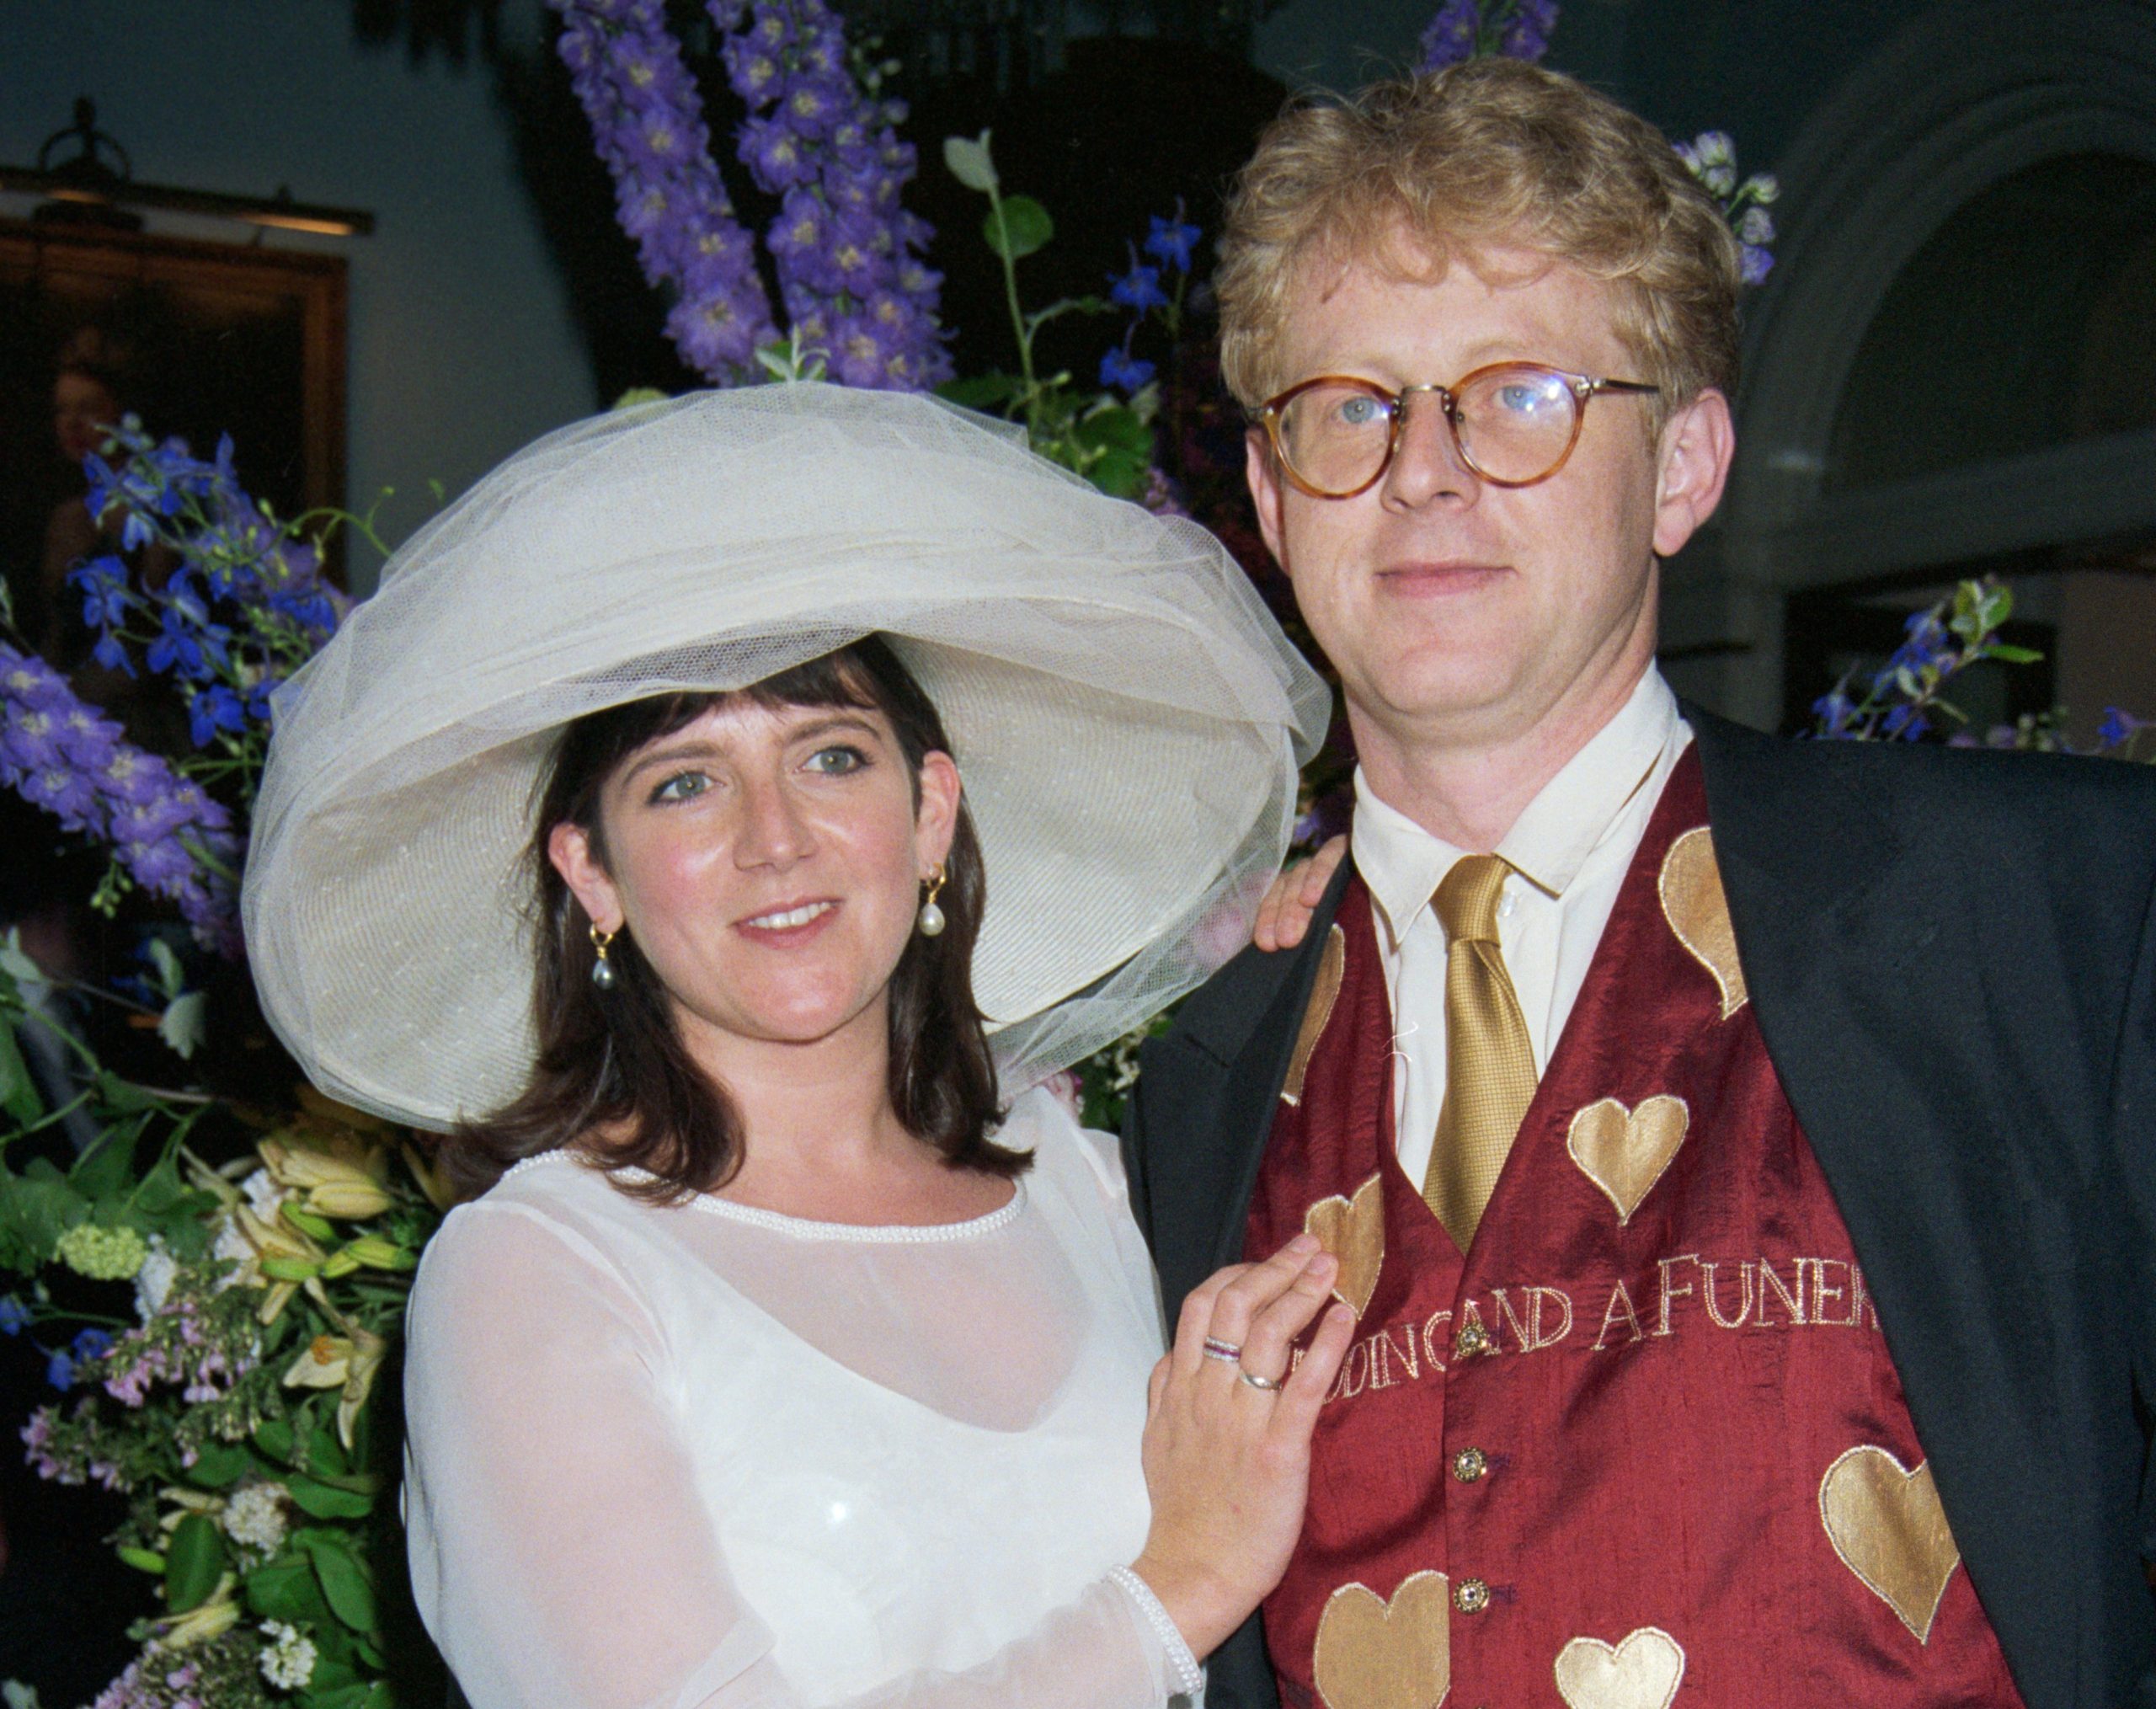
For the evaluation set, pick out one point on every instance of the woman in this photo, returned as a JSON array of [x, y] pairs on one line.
[[771, 1369]]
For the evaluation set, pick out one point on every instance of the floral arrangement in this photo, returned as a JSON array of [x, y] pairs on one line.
[[216, 1288], [1464, 28]]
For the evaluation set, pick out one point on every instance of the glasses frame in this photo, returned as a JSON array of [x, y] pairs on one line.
[[1582, 387]]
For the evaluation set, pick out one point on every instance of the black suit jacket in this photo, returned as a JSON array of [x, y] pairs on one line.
[[1949, 957]]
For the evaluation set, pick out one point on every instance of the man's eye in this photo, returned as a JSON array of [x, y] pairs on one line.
[[836, 762], [682, 786], [1360, 412]]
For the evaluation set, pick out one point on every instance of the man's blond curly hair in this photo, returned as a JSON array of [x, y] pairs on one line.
[[1491, 150]]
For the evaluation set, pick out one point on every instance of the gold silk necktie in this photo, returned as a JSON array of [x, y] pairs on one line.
[[1489, 1060]]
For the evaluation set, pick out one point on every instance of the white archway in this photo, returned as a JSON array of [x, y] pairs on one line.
[[1967, 95]]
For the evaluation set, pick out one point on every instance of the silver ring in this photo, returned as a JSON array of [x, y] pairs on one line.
[[1267, 1384], [1226, 1351]]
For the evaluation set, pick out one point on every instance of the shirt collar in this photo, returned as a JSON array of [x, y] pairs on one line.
[[1550, 842]]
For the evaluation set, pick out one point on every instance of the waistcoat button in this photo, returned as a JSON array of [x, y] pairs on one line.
[[1473, 1340], [1470, 1464], [1471, 1595]]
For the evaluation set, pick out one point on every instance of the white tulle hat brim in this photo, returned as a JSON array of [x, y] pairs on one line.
[[1126, 717]]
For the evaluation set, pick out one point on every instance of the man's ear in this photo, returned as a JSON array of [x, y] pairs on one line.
[[1267, 492], [568, 848], [1697, 444]]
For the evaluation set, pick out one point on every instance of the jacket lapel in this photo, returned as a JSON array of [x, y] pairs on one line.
[[1865, 988]]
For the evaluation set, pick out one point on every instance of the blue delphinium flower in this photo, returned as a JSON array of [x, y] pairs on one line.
[[60, 1370], [13, 1314], [1123, 372], [1171, 241], [1139, 289], [2118, 728], [89, 1345]]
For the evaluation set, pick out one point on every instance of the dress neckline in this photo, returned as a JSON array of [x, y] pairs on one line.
[[806, 1228]]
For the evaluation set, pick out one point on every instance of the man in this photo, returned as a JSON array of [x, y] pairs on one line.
[[1738, 1152]]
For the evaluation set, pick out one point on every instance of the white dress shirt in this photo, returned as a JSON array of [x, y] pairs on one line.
[[1569, 850]]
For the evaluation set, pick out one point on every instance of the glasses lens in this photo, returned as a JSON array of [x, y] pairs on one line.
[[1334, 436], [1515, 423]]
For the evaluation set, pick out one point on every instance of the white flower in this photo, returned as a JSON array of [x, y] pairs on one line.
[[288, 1658], [263, 1194], [254, 1517], [1756, 226], [153, 1281]]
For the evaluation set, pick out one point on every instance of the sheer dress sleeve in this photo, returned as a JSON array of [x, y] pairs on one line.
[[560, 1554]]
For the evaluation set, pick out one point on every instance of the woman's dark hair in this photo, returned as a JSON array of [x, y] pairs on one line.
[[615, 1060]]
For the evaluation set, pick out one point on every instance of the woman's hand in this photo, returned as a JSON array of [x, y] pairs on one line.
[[1285, 913], [1228, 1427]]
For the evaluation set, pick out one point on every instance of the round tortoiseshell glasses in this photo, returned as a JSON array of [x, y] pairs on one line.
[[1514, 424]]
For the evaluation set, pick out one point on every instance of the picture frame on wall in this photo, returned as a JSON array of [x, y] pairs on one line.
[[198, 338]]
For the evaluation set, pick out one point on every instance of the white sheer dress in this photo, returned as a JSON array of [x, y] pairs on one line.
[[712, 1455]]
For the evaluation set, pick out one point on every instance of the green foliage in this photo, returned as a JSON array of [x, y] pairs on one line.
[[1089, 430]]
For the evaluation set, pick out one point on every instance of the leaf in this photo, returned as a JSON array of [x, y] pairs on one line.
[[1114, 428], [141, 1560], [193, 1561], [970, 163], [171, 979], [37, 1207], [979, 390], [107, 1169], [286, 1590], [1119, 474], [343, 1579], [220, 1464], [122, 1095], [19, 1092], [186, 1023], [324, 1502], [2013, 655], [1024, 226], [325, 1454], [274, 1437], [380, 1696]]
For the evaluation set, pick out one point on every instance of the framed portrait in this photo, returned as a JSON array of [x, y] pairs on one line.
[[197, 338]]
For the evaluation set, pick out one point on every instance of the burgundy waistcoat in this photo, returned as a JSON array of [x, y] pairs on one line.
[[1645, 1444]]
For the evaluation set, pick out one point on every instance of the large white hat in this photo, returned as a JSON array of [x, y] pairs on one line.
[[1126, 716]]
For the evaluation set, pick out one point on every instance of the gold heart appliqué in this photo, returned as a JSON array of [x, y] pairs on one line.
[[1353, 1232], [1889, 1529], [1625, 1151], [1641, 1673], [1697, 909], [1375, 1654], [1324, 991]]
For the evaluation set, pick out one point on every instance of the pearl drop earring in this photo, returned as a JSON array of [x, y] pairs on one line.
[[602, 970], [931, 921]]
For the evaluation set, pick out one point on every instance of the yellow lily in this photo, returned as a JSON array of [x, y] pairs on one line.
[[329, 1185], [432, 1182], [362, 1366], [324, 1363], [203, 1621], [287, 1249]]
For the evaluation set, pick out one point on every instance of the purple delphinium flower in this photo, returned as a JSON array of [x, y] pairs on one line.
[[13, 1314], [173, 840], [1526, 34], [1451, 35], [847, 255], [648, 124]]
